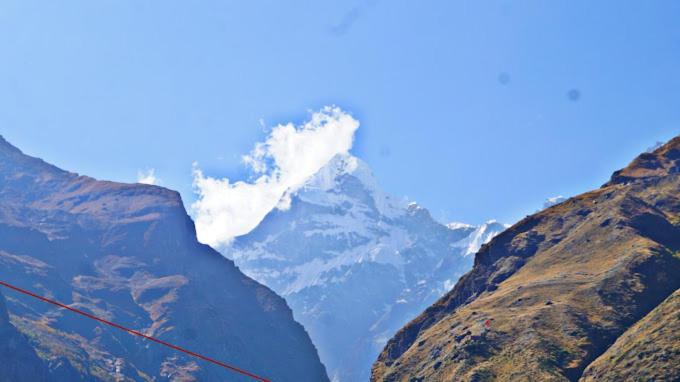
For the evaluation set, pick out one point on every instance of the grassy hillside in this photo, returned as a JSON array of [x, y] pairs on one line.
[[557, 289], [648, 351]]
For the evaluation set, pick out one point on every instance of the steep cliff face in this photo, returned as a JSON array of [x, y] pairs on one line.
[[552, 293], [19, 361], [128, 253]]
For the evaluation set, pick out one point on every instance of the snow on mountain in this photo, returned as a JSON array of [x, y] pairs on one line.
[[354, 263], [457, 225], [480, 235], [553, 201]]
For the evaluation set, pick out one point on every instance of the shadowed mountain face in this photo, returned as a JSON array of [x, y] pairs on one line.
[[554, 292], [128, 253], [19, 361]]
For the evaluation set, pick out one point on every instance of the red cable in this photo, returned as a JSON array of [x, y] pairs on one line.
[[136, 333]]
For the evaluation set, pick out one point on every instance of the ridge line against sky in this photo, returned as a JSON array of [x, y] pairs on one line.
[[476, 110]]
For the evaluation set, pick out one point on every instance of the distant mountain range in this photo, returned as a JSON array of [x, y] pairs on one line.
[[128, 253], [354, 263], [585, 290]]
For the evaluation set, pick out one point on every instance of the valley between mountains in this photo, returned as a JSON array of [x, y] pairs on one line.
[[346, 284], [354, 263]]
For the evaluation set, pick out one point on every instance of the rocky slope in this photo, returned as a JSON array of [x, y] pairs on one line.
[[354, 263], [554, 292], [648, 351], [19, 361], [128, 253]]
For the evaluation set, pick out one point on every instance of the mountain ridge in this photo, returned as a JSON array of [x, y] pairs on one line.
[[128, 253], [553, 292]]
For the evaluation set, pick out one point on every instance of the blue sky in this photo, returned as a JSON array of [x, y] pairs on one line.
[[463, 106]]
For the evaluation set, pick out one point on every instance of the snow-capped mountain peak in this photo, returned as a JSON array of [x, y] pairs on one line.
[[480, 235], [342, 237], [341, 164], [347, 174]]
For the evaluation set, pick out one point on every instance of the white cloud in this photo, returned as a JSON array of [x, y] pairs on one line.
[[147, 176], [553, 201], [282, 163]]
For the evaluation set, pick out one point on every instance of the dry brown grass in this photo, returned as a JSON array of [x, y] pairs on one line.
[[560, 286]]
